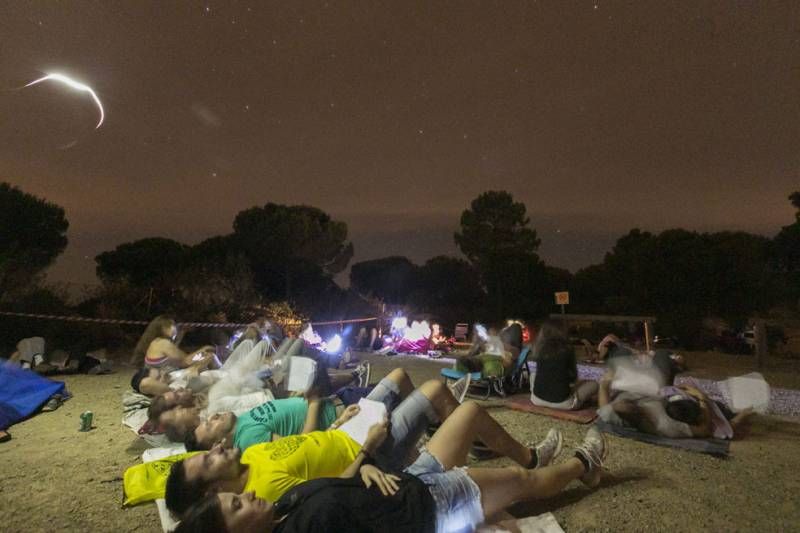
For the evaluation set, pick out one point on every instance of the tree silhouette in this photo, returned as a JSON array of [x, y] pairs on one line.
[[496, 239], [32, 235]]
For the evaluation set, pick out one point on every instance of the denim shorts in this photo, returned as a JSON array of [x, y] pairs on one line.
[[408, 421], [457, 496]]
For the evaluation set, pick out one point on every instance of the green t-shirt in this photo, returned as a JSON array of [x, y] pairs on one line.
[[284, 417]]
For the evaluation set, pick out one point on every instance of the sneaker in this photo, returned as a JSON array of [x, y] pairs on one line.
[[547, 450], [363, 372], [460, 387], [594, 451]]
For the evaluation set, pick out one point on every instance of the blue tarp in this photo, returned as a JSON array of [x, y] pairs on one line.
[[22, 392]]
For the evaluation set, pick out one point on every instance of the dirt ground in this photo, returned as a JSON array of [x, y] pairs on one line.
[[54, 478]]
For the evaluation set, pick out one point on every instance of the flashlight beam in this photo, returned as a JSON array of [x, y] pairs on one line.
[[74, 85]]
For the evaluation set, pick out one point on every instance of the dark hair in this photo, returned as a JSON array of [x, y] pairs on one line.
[[685, 410], [174, 433], [551, 342], [158, 405], [137, 378], [153, 331], [204, 516], [191, 442], [180, 492]]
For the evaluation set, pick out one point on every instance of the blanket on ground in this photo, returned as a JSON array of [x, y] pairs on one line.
[[716, 447], [22, 392]]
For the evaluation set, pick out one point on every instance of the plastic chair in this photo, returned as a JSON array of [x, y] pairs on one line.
[[509, 383]]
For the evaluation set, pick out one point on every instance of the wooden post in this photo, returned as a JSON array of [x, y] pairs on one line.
[[761, 347], [648, 335]]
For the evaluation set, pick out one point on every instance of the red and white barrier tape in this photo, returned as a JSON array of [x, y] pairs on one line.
[[184, 324]]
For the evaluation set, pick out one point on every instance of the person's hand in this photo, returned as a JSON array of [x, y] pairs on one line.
[[349, 412], [387, 483], [375, 436]]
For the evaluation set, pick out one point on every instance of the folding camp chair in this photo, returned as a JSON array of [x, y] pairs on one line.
[[460, 333], [509, 383]]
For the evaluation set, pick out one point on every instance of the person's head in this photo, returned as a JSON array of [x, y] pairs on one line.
[[191, 479], [161, 327], [683, 410], [179, 421], [168, 400], [224, 512], [213, 431], [608, 344], [679, 362], [551, 342], [630, 412]]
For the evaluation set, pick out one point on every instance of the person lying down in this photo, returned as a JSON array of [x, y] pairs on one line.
[[434, 494]]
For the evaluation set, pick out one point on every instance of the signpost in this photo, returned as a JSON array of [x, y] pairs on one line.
[[562, 299]]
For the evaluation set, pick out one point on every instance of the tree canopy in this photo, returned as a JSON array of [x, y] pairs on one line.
[[390, 279], [496, 239], [32, 234], [291, 242]]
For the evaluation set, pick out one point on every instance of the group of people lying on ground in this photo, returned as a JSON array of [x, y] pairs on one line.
[[285, 464], [187, 388], [638, 389], [321, 478]]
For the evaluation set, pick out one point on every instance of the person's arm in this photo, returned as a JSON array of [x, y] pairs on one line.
[[312, 414], [153, 386], [349, 412], [604, 391], [375, 437]]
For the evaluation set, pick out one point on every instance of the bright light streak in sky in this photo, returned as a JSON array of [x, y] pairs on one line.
[[75, 85]]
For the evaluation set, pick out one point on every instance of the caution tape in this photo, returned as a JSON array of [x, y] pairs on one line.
[[77, 318]]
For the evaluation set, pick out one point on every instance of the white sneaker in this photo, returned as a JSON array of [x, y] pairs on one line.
[[549, 448], [460, 387], [594, 450]]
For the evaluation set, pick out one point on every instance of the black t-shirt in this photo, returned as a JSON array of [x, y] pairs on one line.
[[334, 504], [556, 371]]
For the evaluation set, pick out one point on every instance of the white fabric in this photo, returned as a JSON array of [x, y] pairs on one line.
[[238, 405], [494, 346], [748, 391], [543, 523], [29, 348]]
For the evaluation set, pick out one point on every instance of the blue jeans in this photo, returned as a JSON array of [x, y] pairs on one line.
[[456, 495], [408, 420]]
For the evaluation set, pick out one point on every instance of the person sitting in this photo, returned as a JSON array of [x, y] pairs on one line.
[[492, 353], [556, 384], [270, 469], [158, 347], [434, 494]]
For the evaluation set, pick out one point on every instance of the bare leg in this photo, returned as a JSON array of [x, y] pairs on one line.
[[502, 487], [440, 397], [451, 443], [403, 381], [341, 379], [584, 390]]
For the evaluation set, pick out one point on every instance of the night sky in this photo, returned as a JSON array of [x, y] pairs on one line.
[[600, 116]]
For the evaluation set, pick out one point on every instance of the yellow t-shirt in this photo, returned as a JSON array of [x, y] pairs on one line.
[[275, 467]]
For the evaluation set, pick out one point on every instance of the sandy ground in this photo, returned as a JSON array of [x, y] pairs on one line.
[[54, 478]]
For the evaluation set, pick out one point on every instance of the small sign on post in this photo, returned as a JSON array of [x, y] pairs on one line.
[[562, 299]]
